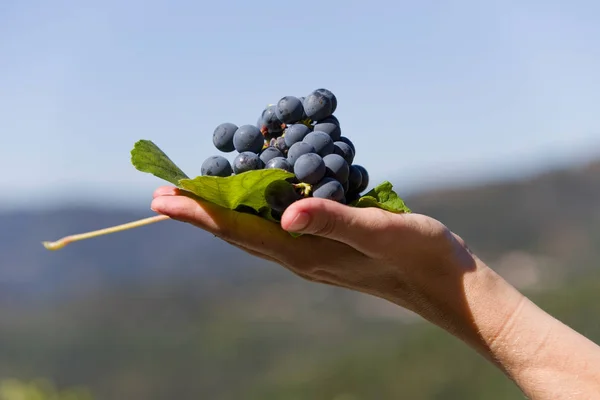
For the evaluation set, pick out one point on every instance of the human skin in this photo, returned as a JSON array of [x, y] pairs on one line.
[[415, 262]]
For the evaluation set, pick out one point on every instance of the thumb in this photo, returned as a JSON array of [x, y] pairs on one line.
[[362, 228]]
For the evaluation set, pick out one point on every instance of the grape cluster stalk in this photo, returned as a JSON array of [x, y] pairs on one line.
[[300, 135]]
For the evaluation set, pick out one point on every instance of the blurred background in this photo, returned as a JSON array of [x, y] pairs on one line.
[[483, 115]]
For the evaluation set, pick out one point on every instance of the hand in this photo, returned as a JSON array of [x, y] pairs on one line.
[[392, 256]]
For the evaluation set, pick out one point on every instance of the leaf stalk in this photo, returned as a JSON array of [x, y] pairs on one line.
[[59, 244]]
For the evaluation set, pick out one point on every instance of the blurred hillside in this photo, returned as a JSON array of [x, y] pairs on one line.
[[167, 311]]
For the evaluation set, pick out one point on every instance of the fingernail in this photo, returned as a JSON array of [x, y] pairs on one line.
[[299, 223]]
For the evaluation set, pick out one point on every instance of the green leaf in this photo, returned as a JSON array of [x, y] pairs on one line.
[[147, 157], [245, 190], [382, 197]]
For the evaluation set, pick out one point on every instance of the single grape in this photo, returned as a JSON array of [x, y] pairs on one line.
[[279, 144], [216, 166], [321, 141], [272, 125], [343, 149], [223, 137], [365, 178], [309, 168], [352, 196], [345, 185], [289, 110], [327, 93], [248, 138], [336, 167], [280, 163], [295, 133], [298, 149], [317, 106], [330, 128], [246, 161], [348, 142], [330, 189], [280, 194], [354, 179], [332, 118], [304, 116], [269, 153]]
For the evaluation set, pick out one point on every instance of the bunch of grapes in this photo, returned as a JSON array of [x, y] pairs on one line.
[[300, 135]]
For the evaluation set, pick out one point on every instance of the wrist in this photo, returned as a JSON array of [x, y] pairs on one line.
[[467, 299], [544, 357]]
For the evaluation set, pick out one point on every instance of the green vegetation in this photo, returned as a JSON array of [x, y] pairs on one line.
[[12, 389], [223, 351]]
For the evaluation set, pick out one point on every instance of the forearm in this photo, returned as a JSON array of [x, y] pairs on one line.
[[547, 359]]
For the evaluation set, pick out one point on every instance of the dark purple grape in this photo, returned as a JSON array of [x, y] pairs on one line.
[[321, 141], [365, 178], [336, 167], [330, 128], [280, 163], [343, 149], [348, 142], [246, 161], [352, 196], [216, 166], [295, 133], [309, 168], [317, 106], [332, 118], [280, 194], [304, 116], [345, 185], [272, 126], [329, 94], [269, 153], [354, 179], [298, 149], [281, 145], [248, 138], [289, 110], [330, 189], [223, 137]]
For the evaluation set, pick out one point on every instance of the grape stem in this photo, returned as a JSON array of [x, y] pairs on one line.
[[59, 244], [304, 188]]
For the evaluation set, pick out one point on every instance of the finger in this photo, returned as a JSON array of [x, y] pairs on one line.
[[249, 231], [369, 230], [165, 191]]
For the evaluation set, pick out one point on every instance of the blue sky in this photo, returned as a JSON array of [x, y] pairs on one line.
[[429, 91]]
